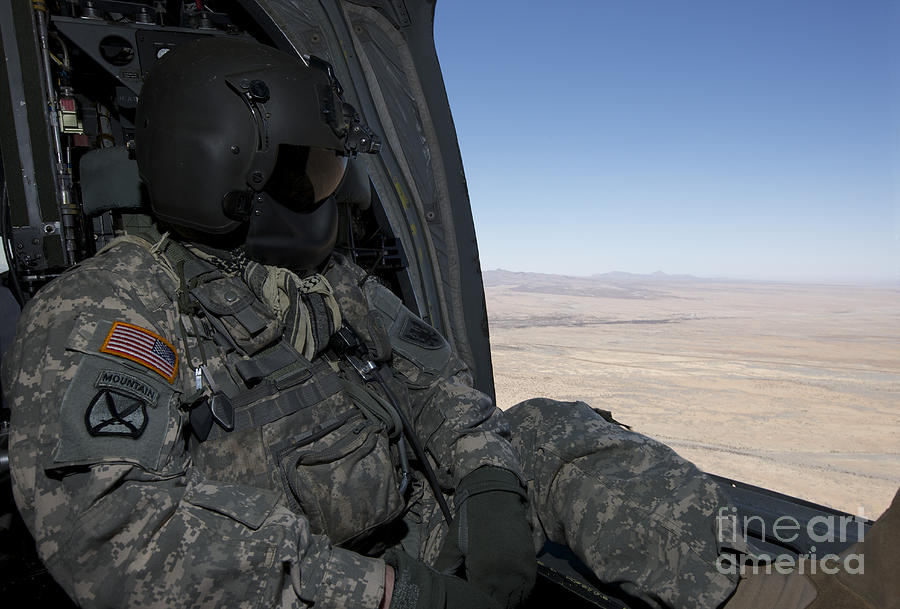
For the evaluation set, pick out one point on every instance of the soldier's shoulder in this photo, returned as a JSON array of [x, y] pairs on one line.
[[124, 268], [126, 258]]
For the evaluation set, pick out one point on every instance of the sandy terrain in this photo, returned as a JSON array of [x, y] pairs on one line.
[[790, 387]]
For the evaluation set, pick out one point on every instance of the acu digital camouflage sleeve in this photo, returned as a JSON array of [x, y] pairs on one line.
[[459, 426], [643, 519], [103, 480]]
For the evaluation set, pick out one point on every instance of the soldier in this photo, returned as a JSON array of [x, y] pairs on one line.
[[218, 410]]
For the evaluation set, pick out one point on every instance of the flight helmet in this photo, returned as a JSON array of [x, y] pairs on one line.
[[237, 138]]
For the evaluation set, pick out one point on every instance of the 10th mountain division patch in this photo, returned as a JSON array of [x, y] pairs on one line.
[[120, 406]]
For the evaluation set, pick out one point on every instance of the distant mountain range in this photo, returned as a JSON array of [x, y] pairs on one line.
[[657, 275], [503, 277], [606, 285], [659, 278]]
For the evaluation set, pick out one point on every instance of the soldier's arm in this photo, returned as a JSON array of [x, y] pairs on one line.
[[459, 425], [104, 482]]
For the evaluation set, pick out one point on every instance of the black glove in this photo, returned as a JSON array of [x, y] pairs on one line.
[[491, 532], [417, 586]]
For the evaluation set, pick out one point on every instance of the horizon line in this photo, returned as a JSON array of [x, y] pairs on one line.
[[835, 280]]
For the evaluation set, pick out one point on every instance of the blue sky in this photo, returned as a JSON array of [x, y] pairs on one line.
[[717, 138]]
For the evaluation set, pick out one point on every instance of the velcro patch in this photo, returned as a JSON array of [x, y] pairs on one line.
[[419, 333], [142, 347], [111, 412]]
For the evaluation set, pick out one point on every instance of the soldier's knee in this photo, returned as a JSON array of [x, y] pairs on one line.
[[537, 411], [545, 413]]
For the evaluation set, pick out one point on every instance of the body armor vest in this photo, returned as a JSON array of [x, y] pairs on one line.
[[266, 416]]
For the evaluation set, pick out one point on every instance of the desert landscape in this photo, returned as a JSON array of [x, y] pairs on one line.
[[793, 387]]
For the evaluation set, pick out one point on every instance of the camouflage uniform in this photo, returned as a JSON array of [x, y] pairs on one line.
[[129, 508]]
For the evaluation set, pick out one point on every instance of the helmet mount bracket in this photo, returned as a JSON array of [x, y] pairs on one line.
[[255, 93]]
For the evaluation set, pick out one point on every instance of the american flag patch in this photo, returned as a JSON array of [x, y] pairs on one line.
[[143, 347]]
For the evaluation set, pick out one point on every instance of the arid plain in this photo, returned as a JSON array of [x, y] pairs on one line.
[[794, 387]]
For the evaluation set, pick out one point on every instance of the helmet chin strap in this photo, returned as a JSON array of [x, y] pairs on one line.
[[296, 240]]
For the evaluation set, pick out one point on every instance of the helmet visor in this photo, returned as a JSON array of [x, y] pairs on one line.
[[305, 176]]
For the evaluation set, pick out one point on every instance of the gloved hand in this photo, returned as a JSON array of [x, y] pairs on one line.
[[418, 586], [491, 532]]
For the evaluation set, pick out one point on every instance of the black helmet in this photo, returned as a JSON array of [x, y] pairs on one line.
[[232, 134]]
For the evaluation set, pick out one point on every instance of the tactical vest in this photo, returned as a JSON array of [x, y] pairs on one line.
[[265, 416]]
